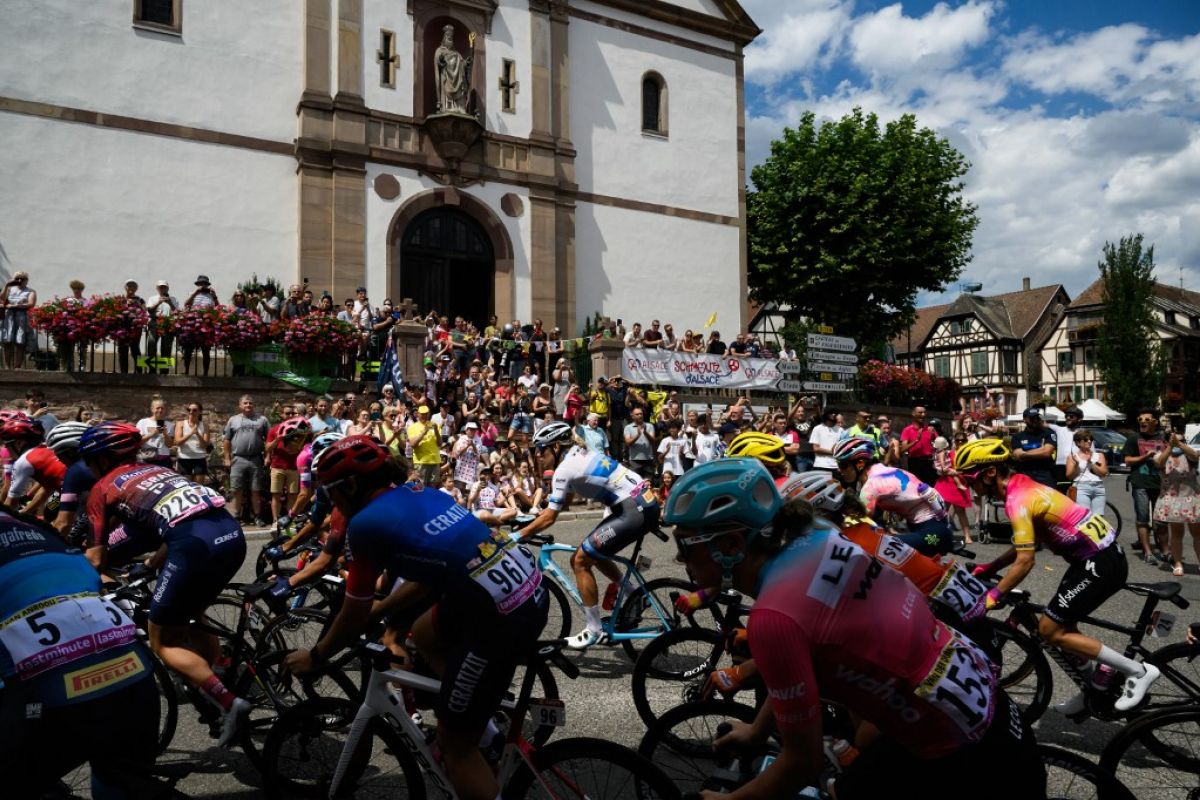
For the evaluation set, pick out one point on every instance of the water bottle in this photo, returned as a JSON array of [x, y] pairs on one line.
[[844, 752], [1103, 677]]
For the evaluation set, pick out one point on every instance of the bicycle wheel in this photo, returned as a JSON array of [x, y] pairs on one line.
[[680, 742], [673, 668], [1157, 755], [1024, 671], [1073, 777], [168, 705], [638, 614], [315, 594], [596, 769], [1114, 516], [558, 622], [302, 751], [297, 629], [1180, 681]]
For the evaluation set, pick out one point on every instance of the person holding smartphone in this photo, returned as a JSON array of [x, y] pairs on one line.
[[157, 436]]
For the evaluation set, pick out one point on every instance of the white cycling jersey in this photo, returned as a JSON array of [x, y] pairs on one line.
[[593, 476]]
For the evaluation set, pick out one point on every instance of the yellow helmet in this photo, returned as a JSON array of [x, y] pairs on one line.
[[979, 454], [754, 444]]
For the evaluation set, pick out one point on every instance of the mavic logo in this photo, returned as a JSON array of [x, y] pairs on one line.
[[795, 692]]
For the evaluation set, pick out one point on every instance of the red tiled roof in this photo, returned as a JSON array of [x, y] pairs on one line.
[[1012, 314], [926, 319]]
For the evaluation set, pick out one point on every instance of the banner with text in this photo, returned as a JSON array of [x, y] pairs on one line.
[[649, 365]]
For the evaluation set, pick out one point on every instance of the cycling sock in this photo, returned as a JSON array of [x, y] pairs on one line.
[[592, 615], [489, 734], [1119, 662], [215, 691]]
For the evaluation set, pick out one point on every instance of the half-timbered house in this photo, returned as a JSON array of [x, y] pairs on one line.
[[1068, 358], [989, 345]]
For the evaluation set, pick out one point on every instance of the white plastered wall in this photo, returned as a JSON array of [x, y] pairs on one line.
[[510, 38], [107, 205], [236, 68], [392, 15], [696, 165], [640, 266], [379, 218]]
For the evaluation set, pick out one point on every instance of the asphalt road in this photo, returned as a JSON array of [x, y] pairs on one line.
[[600, 704]]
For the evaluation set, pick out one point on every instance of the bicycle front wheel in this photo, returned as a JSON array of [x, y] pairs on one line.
[[1157, 755], [1113, 516], [1024, 671], [650, 609], [302, 751], [558, 621], [672, 669], [680, 743], [1073, 777], [573, 769]]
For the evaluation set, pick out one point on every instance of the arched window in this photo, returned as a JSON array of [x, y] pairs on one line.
[[654, 104]]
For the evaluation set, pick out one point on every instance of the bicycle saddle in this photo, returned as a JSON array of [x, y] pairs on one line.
[[1164, 590]]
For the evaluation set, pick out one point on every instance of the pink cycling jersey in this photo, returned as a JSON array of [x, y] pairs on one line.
[[893, 489], [1039, 513], [304, 465], [832, 622]]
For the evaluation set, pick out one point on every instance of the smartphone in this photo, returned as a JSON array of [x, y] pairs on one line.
[[397, 314], [375, 415]]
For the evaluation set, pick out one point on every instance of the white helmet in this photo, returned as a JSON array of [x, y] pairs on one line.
[[64, 437], [817, 487], [554, 432]]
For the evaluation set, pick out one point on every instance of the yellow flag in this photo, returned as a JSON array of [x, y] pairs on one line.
[[711, 320]]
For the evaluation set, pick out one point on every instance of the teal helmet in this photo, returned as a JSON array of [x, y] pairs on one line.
[[724, 494]]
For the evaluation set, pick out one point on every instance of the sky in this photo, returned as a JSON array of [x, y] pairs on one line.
[[1081, 120]]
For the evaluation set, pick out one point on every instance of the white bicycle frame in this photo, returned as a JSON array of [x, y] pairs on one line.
[[380, 701]]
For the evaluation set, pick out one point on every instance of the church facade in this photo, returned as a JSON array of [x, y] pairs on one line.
[[532, 159]]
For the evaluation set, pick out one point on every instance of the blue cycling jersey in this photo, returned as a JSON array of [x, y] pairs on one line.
[[57, 634], [422, 535], [78, 481]]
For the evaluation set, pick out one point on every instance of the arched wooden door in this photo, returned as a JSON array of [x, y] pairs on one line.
[[447, 265]]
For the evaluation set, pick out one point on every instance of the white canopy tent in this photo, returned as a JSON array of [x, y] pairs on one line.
[[1051, 414], [1096, 411]]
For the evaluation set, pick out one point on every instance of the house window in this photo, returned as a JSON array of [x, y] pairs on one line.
[[1065, 395], [979, 363], [1054, 393], [654, 104], [1089, 357], [509, 86], [1066, 360], [164, 16], [1169, 316], [1195, 323], [1078, 394], [1091, 391], [1008, 362], [941, 366], [386, 56]]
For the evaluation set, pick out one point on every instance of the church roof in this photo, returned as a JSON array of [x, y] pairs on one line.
[[734, 24]]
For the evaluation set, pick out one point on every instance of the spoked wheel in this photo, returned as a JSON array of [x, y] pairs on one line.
[[1157, 755], [1024, 671], [596, 769], [302, 751], [680, 743], [558, 621], [651, 609], [1073, 777]]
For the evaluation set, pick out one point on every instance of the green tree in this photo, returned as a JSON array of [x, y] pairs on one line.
[[848, 222], [1129, 355]]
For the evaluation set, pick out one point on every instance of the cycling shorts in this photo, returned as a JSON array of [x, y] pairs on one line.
[[630, 520], [930, 538], [1087, 584], [126, 543], [117, 728], [887, 769], [485, 648], [199, 566]]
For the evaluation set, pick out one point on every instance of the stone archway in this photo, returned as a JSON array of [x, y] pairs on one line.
[[501, 244]]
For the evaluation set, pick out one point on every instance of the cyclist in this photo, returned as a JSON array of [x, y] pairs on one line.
[[490, 602], [283, 446], [304, 463], [830, 622], [632, 512], [770, 450], [77, 480], [63, 703], [7, 416], [883, 488], [1096, 564], [33, 463], [202, 549]]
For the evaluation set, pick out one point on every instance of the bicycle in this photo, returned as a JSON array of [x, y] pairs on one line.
[[1157, 755], [999, 530], [1025, 654], [379, 747], [642, 610]]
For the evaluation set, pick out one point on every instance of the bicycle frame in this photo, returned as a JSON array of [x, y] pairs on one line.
[[380, 701], [630, 576]]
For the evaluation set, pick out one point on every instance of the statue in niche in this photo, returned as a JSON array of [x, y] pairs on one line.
[[453, 74]]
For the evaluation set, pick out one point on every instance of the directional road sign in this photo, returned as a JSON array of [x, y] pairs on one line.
[[790, 367], [789, 386], [840, 369], [823, 386], [836, 358], [820, 341]]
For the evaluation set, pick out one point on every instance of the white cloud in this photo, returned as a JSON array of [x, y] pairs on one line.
[[887, 41], [795, 36], [1051, 185]]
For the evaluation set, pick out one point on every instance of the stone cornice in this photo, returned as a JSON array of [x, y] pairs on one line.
[[739, 31]]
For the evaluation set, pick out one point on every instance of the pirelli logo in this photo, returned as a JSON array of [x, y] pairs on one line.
[[106, 673]]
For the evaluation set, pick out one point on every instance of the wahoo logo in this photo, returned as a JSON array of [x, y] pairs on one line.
[[794, 692], [868, 580], [886, 691]]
